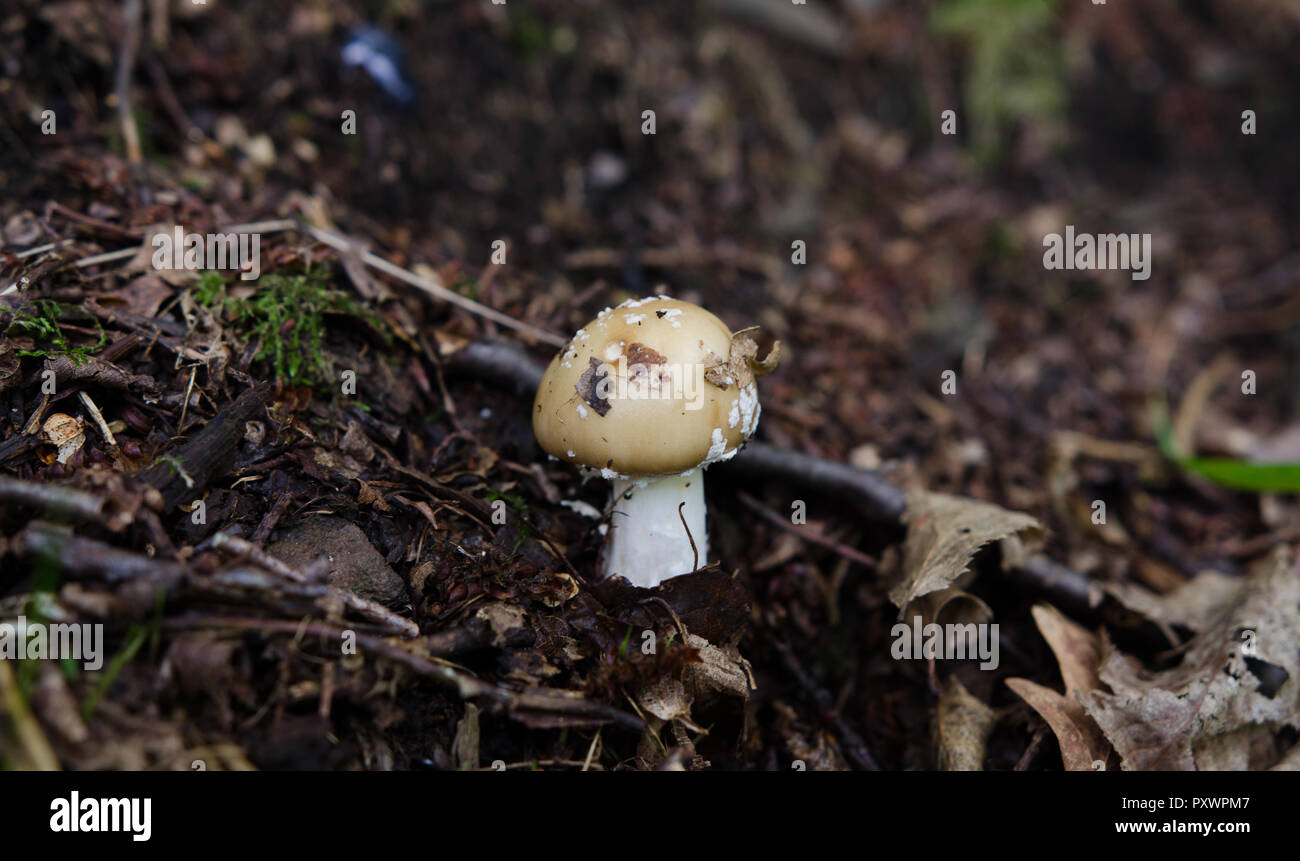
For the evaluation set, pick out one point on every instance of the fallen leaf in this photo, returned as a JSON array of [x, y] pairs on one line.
[[1078, 736], [1077, 650], [464, 748], [666, 699], [1196, 604], [943, 534], [1200, 713], [951, 607], [715, 671], [719, 671], [1290, 762], [144, 295], [961, 729], [1078, 653]]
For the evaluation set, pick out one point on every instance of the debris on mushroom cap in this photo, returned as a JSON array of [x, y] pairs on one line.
[[656, 386]]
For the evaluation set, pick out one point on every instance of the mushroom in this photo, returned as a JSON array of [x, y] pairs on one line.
[[647, 395]]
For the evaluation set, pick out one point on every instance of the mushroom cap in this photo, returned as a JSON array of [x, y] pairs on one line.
[[648, 388]]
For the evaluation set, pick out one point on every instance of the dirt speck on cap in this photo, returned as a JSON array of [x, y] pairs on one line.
[[589, 386]]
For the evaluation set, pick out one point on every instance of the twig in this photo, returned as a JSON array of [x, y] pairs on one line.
[[31, 738], [189, 390], [811, 535], [695, 566], [98, 417], [871, 492], [1070, 588], [808, 25], [83, 557], [41, 249], [514, 703], [90, 221], [371, 610], [435, 289], [342, 244], [54, 499], [1028, 756], [854, 747], [507, 364], [187, 471], [122, 81], [502, 362], [679, 258]]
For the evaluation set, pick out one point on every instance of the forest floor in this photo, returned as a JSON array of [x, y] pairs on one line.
[[309, 510]]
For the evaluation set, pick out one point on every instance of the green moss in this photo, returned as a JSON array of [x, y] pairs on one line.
[[285, 317], [1015, 73], [41, 319]]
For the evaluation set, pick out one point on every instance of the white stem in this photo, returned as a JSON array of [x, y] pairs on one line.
[[647, 542]]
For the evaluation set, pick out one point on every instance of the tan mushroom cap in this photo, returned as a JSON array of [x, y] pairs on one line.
[[646, 389]]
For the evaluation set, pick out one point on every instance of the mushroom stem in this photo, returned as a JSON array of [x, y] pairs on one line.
[[647, 542]]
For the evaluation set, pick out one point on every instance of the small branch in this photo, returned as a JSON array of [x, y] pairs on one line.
[[812, 535], [54, 499], [85, 558], [506, 364], [874, 494], [513, 703], [98, 417], [695, 565], [371, 610], [122, 82], [184, 473], [31, 738], [853, 745], [435, 289], [374, 261]]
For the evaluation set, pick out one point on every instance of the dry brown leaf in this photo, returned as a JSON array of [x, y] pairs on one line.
[[1200, 713], [951, 607], [1078, 653], [144, 295], [1290, 762], [1080, 739], [464, 748], [1076, 649], [665, 698], [720, 670], [1196, 604], [943, 534], [1250, 748], [961, 729]]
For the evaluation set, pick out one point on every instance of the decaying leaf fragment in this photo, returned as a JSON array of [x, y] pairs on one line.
[[943, 534], [742, 364], [65, 433], [961, 729], [718, 671], [1196, 604], [1077, 652], [465, 746], [721, 670], [1239, 678]]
